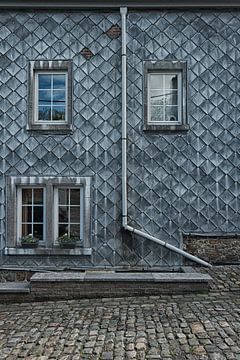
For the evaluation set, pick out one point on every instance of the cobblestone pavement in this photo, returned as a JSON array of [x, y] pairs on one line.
[[155, 327]]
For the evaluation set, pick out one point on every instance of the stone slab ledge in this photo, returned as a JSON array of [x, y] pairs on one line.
[[12, 287], [101, 276]]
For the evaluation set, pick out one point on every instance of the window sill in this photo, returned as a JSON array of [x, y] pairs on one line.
[[166, 128], [50, 129], [47, 251]]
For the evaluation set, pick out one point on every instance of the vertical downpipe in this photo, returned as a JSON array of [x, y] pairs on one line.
[[123, 12]]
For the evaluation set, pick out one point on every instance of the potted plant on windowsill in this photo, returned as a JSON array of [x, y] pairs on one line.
[[29, 241], [67, 242]]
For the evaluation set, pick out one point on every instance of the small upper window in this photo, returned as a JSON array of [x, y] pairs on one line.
[[164, 98], [50, 96], [165, 95]]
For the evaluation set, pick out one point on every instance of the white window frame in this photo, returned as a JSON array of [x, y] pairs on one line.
[[19, 212], [49, 184], [179, 68], [56, 211], [49, 67], [179, 97], [36, 98]]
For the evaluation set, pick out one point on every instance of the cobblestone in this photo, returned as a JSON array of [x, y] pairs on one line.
[[187, 327]]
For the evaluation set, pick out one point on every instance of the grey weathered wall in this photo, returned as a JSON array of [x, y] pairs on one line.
[[180, 182]]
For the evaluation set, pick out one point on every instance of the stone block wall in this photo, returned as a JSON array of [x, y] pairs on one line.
[[215, 249]]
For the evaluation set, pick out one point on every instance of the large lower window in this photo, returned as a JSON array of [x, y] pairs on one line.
[[48, 208], [165, 95]]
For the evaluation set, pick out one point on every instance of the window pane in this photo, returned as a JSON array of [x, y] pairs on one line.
[[38, 231], [75, 196], [44, 113], [157, 97], [59, 97], [44, 97], [59, 81], [27, 196], [38, 196], [63, 214], [26, 213], [38, 213], [58, 113], [44, 81], [62, 229], [171, 97], [26, 229], [157, 113], [156, 81], [75, 230], [63, 196], [172, 113], [171, 81], [74, 214]]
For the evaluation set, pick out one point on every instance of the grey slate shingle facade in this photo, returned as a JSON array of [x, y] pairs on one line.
[[177, 182]]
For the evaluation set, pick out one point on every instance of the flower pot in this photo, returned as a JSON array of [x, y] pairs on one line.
[[67, 245], [30, 245]]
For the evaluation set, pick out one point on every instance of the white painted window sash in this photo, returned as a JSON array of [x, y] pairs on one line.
[[36, 96], [180, 100]]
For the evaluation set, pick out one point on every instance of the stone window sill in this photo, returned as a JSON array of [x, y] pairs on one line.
[[47, 251], [166, 128], [50, 129]]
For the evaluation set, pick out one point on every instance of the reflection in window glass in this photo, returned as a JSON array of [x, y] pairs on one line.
[[51, 97], [69, 212], [32, 209], [163, 98]]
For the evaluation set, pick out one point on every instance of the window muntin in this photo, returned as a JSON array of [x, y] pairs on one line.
[[31, 212], [164, 98], [69, 211], [51, 97]]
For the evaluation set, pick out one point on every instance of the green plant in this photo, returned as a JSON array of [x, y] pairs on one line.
[[65, 240], [29, 240]]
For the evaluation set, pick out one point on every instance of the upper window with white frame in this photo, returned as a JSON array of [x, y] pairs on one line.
[[165, 95], [50, 96]]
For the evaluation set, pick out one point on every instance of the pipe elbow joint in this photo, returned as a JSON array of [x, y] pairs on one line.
[[123, 10]]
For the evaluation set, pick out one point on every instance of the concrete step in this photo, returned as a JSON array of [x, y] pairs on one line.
[[92, 284], [18, 287], [15, 292]]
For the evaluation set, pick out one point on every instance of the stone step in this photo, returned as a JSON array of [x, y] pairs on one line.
[[17, 292], [18, 287], [92, 284]]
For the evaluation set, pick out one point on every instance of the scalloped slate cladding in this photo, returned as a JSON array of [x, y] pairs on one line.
[[179, 182]]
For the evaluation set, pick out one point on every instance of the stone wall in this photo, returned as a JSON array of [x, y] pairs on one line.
[[215, 249]]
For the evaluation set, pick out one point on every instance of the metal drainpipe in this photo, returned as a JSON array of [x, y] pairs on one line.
[[123, 12]]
